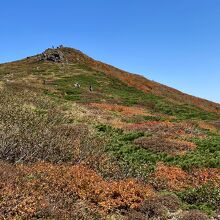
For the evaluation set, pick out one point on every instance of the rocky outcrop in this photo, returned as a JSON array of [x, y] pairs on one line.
[[52, 55]]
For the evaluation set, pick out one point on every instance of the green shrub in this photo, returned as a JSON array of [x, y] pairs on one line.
[[207, 154], [205, 198], [132, 136]]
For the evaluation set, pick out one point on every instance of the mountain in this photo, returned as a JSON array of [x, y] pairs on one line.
[[139, 82], [81, 139]]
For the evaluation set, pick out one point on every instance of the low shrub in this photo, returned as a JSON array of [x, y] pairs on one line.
[[152, 208], [30, 190], [206, 197], [32, 130], [170, 201], [136, 215], [163, 145], [194, 215]]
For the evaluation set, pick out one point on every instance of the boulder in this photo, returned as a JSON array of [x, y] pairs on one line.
[[52, 55]]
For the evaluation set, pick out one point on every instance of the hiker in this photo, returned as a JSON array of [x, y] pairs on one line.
[[90, 88], [77, 85]]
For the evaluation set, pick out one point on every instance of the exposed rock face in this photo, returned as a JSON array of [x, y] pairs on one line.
[[53, 55]]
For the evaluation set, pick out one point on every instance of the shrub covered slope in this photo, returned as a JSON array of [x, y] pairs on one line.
[[80, 139]]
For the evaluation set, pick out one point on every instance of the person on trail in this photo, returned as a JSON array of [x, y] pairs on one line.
[[77, 85], [90, 88]]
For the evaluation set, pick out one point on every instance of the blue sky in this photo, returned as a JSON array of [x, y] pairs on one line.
[[175, 42]]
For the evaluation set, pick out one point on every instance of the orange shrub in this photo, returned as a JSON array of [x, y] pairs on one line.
[[174, 178], [124, 110], [205, 175], [207, 126], [27, 189]]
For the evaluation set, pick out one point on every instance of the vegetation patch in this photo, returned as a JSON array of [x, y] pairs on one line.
[[205, 198], [168, 146]]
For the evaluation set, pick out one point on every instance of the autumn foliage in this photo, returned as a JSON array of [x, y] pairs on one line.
[[29, 189], [129, 148], [174, 178], [138, 81], [124, 110]]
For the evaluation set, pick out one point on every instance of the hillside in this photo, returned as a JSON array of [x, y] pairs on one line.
[[138, 81], [81, 139]]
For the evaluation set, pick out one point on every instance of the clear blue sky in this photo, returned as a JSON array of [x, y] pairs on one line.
[[175, 42]]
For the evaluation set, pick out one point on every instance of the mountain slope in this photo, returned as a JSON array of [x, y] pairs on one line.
[[134, 80], [139, 82], [80, 139]]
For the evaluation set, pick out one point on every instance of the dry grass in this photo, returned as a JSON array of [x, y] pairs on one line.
[[1, 86], [33, 128]]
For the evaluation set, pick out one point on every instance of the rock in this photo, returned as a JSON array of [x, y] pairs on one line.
[[53, 55]]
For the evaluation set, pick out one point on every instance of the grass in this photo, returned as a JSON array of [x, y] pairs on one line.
[[184, 112]]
